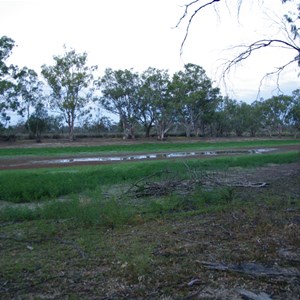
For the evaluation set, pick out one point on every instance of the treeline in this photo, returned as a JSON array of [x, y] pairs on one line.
[[150, 103]]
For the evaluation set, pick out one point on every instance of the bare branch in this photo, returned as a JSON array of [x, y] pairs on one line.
[[257, 46], [277, 72], [187, 6], [245, 51]]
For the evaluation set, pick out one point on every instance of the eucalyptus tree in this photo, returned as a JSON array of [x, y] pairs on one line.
[[37, 123], [154, 83], [164, 110], [241, 117], [254, 117], [275, 111], [8, 90], [71, 81], [30, 90], [293, 117], [194, 97], [120, 96]]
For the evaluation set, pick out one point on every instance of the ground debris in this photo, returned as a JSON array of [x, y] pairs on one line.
[[252, 296], [184, 187], [253, 269], [289, 255]]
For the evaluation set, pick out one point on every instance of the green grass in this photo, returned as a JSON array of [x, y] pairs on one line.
[[87, 204], [141, 147], [110, 212], [43, 184]]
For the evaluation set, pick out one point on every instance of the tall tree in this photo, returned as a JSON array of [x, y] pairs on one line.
[[293, 117], [194, 97], [38, 121], [71, 81], [8, 91], [120, 96], [154, 83], [275, 111], [30, 90], [163, 108]]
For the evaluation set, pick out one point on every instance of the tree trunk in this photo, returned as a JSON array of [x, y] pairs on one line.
[[71, 121], [147, 130]]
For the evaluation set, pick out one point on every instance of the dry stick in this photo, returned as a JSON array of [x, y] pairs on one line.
[[145, 178]]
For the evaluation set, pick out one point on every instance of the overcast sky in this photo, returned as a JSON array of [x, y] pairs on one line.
[[140, 33]]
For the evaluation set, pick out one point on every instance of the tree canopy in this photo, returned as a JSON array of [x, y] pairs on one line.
[[70, 80], [8, 90]]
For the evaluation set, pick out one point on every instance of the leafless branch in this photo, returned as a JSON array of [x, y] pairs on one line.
[[187, 6], [254, 47], [245, 51], [259, 45], [276, 73]]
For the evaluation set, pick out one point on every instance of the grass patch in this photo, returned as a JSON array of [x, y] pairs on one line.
[[111, 212], [43, 184], [142, 147]]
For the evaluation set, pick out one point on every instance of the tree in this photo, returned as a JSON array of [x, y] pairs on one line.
[[8, 91], [30, 90], [254, 117], [194, 97], [120, 96], [164, 111], [275, 111], [289, 39], [71, 82], [293, 117], [38, 122], [153, 85]]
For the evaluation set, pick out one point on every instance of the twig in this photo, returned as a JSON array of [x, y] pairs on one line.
[[135, 184]]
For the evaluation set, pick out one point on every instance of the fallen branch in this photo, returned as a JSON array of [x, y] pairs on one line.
[[136, 184], [253, 269], [252, 296]]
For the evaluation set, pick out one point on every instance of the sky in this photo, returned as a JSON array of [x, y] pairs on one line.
[[124, 34]]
